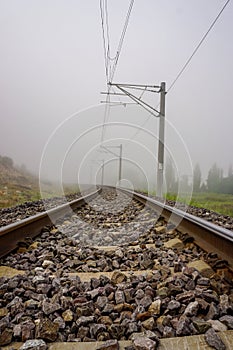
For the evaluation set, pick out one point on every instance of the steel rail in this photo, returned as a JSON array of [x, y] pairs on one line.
[[12, 234], [210, 237]]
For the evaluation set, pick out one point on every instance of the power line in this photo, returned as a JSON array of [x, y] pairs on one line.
[[110, 70], [188, 61], [106, 43], [108, 37], [198, 46], [104, 40], [121, 39]]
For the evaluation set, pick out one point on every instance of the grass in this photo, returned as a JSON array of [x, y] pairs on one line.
[[14, 194], [11, 196], [218, 202]]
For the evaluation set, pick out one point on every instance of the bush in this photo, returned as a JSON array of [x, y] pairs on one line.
[[6, 161]]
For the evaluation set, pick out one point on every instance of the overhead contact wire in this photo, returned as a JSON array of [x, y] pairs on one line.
[[198, 46], [189, 59], [110, 71]]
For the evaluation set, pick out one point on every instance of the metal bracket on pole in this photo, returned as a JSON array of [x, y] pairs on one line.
[[161, 114], [138, 100]]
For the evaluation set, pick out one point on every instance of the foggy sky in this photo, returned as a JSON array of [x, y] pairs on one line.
[[52, 66]]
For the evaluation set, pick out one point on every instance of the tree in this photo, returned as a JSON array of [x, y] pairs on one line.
[[197, 178], [226, 185], [214, 178], [230, 171]]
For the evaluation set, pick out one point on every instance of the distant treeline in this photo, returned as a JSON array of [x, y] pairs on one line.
[[215, 181]]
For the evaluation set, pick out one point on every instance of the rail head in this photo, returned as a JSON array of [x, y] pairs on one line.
[[11, 234], [207, 235]]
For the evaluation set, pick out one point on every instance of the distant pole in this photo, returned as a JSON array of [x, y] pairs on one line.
[[102, 173], [120, 164], [159, 191]]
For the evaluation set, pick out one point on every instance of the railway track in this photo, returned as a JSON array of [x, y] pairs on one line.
[[117, 268]]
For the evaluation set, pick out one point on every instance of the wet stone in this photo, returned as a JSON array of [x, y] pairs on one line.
[[173, 305], [105, 320], [149, 323], [212, 313], [84, 320], [185, 297], [17, 330], [6, 336], [31, 304], [129, 295], [35, 344], [168, 332], [116, 331], [119, 297], [108, 308], [155, 306], [67, 316], [139, 294], [210, 297], [101, 302], [95, 329], [118, 277], [3, 312], [49, 308], [217, 325], [146, 301], [109, 345], [144, 343], [95, 282], [59, 320], [183, 326], [47, 263], [192, 309], [132, 327], [43, 288], [162, 292], [224, 305], [47, 330], [4, 323], [203, 281], [201, 326], [227, 320], [214, 340], [27, 330], [94, 293], [82, 332]]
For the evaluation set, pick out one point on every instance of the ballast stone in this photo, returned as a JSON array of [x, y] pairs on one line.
[[212, 339], [202, 267], [34, 344], [144, 343], [109, 345], [174, 243]]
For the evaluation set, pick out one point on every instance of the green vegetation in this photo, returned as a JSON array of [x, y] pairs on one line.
[[13, 195], [218, 202], [17, 185]]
